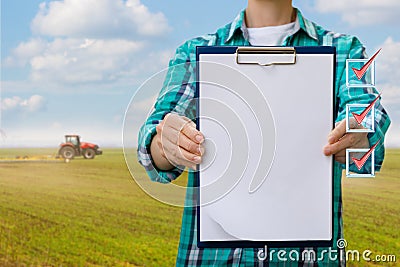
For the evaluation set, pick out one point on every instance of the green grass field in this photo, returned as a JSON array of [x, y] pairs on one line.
[[92, 213]]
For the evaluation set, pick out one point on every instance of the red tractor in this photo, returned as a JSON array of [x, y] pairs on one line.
[[74, 147]]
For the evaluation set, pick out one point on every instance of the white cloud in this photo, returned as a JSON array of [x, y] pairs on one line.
[[33, 104], [89, 44], [98, 19], [83, 60], [388, 62], [361, 12], [390, 94], [68, 63], [387, 73], [98, 47], [24, 51]]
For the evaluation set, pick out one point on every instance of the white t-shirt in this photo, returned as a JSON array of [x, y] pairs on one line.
[[272, 35]]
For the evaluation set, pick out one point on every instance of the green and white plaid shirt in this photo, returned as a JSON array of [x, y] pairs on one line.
[[177, 96]]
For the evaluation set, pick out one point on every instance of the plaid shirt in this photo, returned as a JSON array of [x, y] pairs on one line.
[[177, 95]]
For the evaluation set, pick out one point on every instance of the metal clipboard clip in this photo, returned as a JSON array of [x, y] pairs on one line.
[[289, 57]]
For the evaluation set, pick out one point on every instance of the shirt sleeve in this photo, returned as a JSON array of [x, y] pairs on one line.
[[363, 95], [176, 96]]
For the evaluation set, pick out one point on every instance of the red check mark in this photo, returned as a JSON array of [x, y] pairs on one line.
[[361, 72], [360, 117], [360, 162]]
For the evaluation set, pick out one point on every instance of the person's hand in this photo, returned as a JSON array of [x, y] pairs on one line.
[[177, 142], [339, 140]]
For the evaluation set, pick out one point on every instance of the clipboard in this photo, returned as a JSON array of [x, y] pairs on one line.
[[265, 113]]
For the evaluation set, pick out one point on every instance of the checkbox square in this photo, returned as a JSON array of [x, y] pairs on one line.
[[368, 168], [367, 80], [368, 122]]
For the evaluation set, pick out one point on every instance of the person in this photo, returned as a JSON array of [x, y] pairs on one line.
[[169, 140]]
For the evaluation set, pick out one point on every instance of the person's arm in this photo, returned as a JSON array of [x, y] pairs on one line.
[[338, 139], [162, 160]]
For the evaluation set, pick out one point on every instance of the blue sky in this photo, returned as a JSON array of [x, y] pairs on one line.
[[72, 66]]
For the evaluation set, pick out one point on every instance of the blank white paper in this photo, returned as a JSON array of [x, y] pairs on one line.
[[265, 122]]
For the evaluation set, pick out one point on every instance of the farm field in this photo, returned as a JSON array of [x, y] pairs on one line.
[[92, 213]]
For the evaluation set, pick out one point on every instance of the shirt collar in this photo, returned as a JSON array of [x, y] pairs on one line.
[[239, 24]]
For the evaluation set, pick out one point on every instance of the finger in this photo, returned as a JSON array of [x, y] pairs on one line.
[[189, 129], [187, 156], [193, 164], [181, 157], [167, 139], [168, 134], [185, 163], [172, 139], [187, 144], [179, 139], [177, 155], [347, 141], [338, 132], [169, 128], [175, 121], [184, 125]]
